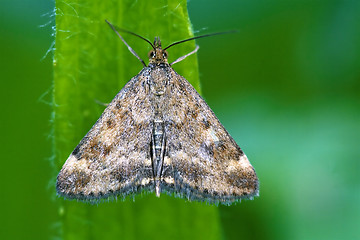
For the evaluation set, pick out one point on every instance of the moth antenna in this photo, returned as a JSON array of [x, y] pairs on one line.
[[117, 29], [201, 36]]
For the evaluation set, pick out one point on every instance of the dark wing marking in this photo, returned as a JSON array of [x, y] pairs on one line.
[[202, 161], [114, 156]]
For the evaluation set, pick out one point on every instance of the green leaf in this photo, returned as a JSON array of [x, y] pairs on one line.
[[91, 65]]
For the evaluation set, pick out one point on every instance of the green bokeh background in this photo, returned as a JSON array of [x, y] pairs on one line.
[[287, 88]]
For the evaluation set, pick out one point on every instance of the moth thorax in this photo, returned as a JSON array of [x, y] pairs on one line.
[[158, 82]]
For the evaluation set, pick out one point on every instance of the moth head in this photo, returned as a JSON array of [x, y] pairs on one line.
[[158, 55]]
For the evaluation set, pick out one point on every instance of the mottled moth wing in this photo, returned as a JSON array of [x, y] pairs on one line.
[[202, 161], [114, 156]]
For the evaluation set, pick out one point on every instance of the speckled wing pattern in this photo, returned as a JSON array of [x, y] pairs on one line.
[[202, 161], [114, 156], [158, 134]]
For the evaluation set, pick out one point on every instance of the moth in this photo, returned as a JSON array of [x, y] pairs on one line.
[[158, 135]]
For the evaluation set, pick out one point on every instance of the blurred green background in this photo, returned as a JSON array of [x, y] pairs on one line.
[[286, 87]]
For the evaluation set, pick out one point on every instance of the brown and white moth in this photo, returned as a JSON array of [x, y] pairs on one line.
[[158, 134]]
